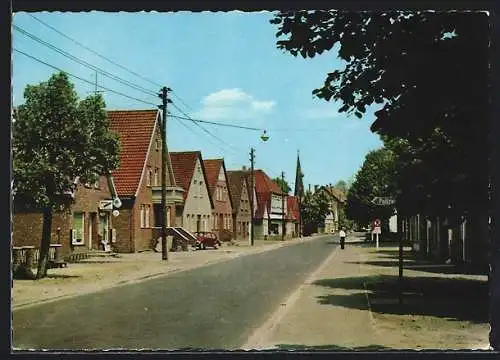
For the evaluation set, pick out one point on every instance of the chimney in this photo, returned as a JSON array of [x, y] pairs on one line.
[[244, 168], [309, 187]]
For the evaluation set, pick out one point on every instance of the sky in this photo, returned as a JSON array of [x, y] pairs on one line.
[[222, 67]]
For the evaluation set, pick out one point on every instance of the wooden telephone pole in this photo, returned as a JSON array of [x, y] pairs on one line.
[[282, 206], [252, 200], [163, 212]]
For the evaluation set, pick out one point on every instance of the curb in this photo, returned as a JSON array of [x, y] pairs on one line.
[[166, 273]]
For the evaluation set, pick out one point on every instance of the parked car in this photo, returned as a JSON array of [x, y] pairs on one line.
[[206, 239]]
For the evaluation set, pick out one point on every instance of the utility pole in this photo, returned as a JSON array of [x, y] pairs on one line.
[[252, 200], [163, 212], [282, 206]]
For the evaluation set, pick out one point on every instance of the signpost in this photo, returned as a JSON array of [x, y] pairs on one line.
[[376, 229], [383, 201], [388, 201]]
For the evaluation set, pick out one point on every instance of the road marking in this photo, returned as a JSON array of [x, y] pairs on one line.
[[257, 339]]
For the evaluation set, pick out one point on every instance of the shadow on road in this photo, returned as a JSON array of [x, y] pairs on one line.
[[453, 298], [299, 347], [426, 266]]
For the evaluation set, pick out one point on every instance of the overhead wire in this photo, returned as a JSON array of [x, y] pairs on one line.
[[82, 79], [84, 63], [217, 123], [201, 127], [106, 58], [95, 52], [193, 131]]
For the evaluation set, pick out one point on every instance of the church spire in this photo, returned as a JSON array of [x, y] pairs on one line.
[[299, 184]]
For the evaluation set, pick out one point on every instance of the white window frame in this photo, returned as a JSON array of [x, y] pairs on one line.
[[142, 216], [156, 176], [75, 232], [148, 176], [146, 216]]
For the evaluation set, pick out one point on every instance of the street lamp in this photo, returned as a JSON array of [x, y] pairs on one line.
[[264, 138]]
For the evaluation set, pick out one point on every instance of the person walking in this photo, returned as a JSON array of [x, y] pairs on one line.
[[342, 238]]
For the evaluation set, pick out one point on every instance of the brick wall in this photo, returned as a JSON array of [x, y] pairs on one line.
[[122, 223], [27, 229]]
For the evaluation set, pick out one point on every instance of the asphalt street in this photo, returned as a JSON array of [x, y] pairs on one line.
[[213, 307]]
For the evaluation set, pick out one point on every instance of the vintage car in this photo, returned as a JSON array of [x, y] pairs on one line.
[[206, 239]]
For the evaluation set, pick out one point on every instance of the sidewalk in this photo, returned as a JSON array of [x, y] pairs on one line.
[[100, 273], [351, 303]]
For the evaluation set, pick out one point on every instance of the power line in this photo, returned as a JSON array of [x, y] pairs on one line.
[[84, 63], [217, 123], [191, 129], [84, 80], [182, 101], [95, 52], [205, 130]]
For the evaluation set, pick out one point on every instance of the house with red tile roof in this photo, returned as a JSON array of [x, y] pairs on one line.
[[189, 170], [293, 216], [272, 205], [240, 193], [86, 225], [337, 201], [138, 180], [220, 191]]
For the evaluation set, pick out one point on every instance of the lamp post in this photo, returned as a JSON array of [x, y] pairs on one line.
[[264, 138]]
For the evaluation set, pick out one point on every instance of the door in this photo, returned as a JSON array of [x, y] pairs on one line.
[[198, 223], [104, 228], [91, 220]]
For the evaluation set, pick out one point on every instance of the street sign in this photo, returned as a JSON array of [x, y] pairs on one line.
[[383, 201], [377, 230], [376, 223], [106, 205]]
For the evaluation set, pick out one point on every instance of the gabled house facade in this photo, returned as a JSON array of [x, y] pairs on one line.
[[272, 205], [337, 201], [220, 192], [189, 170], [86, 225], [240, 194], [138, 180], [293, 216]]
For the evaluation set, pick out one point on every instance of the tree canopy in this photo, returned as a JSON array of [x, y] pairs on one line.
[[283, 184], [427, 72], [375, 178], [313, 210], [58, 142]]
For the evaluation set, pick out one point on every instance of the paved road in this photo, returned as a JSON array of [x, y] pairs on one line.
[[214, 307]]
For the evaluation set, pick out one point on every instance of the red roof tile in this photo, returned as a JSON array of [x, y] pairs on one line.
[[212, 169], [293, 208], [135, 128], [264, 183], [183, 165], [237, 179]]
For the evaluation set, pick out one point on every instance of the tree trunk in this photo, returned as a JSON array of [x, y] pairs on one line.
[[43, 258]]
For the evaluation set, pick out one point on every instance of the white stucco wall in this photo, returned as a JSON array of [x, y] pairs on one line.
[[197, 203]]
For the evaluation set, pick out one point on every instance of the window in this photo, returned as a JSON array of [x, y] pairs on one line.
[[142, 216], [148, 174], [78, 226], [156, 177], [157, 144], [146, 217]]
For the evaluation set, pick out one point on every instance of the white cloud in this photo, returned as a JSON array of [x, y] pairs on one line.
[[233, 104]]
